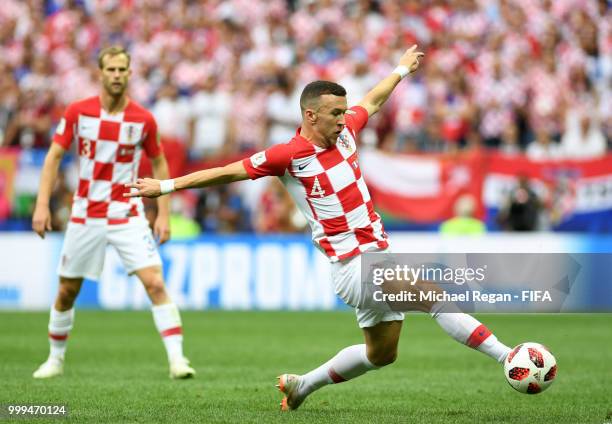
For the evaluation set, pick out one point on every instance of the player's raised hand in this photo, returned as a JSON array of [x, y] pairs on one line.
[[145, 187], [41, 220], [410, 59]]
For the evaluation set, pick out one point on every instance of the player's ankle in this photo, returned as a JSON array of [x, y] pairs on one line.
[[56, 357]]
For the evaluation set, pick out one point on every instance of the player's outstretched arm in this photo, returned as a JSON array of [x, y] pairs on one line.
[[409, 62], [150, 187], [41, 219]]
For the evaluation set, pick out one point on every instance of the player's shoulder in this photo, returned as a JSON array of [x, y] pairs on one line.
[[300, 147], [357, 112], [136, 112], [87, 106]]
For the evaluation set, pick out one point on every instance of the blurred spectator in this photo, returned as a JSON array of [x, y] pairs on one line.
[[496, 97], [521, 211], [9, 93], [463, 223], [248, 120], [277, 212], [210, 107], [221, 210], [510, 140], [543, 147], [583, 138], [172, 114], [284, 109], [182, 227], [30, 126], [546, 93]]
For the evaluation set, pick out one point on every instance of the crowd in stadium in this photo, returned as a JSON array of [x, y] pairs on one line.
[[223, 78]]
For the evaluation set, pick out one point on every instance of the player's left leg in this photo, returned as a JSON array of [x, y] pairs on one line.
[[460, 326], [469, 331], [379, 350], [381, 332], [136, 247], [167, 320]]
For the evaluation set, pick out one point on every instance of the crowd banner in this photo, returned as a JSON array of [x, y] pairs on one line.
[[575, 195], [421, 188]]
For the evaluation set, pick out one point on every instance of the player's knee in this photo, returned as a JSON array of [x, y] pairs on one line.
[[155, 287], [382, 357], [67, 293]]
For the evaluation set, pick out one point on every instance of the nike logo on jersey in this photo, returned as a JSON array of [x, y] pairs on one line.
[[304, 165]]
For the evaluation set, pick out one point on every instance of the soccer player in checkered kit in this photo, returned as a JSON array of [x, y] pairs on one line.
[[320, 168], [111, 132]]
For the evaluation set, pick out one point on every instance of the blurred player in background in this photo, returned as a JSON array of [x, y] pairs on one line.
[[320, 169], [111, 132]]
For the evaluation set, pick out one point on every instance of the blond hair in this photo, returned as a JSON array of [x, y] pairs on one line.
[[112, 51]]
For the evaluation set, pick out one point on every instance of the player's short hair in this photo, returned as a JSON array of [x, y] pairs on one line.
[[316, 89], [112, 51]]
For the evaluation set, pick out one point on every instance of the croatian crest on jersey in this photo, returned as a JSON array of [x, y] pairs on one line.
[[344, 141], [130, 133]]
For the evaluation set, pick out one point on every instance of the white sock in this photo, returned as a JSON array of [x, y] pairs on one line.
[[469, 331], [349, 363], [60, 324], [168, 323]]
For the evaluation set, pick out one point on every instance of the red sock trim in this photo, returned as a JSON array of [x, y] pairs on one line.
[[58, 337], [478, 336], [336, 378], [172, 332]]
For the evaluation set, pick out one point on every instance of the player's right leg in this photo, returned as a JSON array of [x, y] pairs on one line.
[[381, 331], [61, 320], [82, 256], [379, 350]]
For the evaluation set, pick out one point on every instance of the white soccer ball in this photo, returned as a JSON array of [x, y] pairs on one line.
[[530, 368]]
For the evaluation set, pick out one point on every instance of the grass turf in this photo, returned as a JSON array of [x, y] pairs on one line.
[[116, 370]]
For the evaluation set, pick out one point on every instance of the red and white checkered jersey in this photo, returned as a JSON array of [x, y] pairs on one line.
[[109, 149], [329, 189]]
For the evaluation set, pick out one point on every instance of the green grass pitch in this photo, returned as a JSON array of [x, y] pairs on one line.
[[116, 370]]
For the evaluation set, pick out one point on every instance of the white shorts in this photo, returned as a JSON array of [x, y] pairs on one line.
[[346, 277], [84, 248]]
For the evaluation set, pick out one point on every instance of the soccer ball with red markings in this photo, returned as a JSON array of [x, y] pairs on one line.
[[530, 368]]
